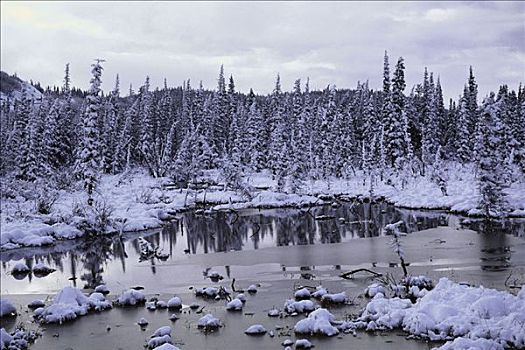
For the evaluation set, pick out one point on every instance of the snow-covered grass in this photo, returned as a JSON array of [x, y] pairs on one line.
[[480, 317], [135, 201]]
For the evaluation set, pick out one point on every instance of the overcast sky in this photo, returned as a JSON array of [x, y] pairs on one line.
[[331, 42]]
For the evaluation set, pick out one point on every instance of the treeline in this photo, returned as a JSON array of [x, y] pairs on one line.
[[297, 135]]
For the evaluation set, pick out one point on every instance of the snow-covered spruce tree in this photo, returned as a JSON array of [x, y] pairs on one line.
[[221, 115], [21, 138], [277, 152], [148, 129], [394, 120], [168, 152], [430, 139], [489, 159], [256, 142], [52, 139], [109, 134], [462, 142], [88, 163]]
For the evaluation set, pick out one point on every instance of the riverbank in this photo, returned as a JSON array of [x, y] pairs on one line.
[[134, 201]]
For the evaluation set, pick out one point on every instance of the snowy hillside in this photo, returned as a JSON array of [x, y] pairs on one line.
[[12, 87]]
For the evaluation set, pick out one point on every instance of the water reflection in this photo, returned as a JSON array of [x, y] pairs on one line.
[[85, 262]]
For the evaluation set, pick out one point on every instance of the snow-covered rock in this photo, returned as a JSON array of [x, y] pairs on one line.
[[301, 306], [318, 322], [234, 305], [208, 322], [6, 308], [165, 330], [71, 303], [374, 289], [302, 293], [102, 289], [337, 298], [156, 342], [142, 322], [255, 329], [208, 292], [131, 297], [166, 346], [319, 292], [303, 344], [174, 303], [36, 304], [274, 312], [241, 297], [252, 289]]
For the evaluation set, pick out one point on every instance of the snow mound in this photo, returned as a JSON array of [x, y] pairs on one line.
[[208, 292], [174, 303], [234, 305], [156, 342], [6, 308], [319, 322], [453, 310], [256, 329], [36, 304], [319, 292], [166, 346], [165, 330], [374, 289], [208, 322], [303, 344], [337, 298], [301, 306], [69, 304], [302, 293], [131, 297], [102, 289]]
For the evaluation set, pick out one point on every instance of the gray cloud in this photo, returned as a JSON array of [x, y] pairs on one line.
[[332, 42]]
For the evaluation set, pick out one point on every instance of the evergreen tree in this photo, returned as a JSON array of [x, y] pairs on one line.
[[88, 163], [490, 176]]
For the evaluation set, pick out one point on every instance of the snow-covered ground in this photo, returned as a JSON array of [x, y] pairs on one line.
[[135, 201], [467, 317]]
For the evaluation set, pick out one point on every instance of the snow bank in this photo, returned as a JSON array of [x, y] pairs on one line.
[[318, 322], [69, 304], [131, 297], [6, 308], [453, 310]]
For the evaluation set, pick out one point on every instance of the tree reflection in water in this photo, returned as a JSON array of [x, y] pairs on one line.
[[247, 230]]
